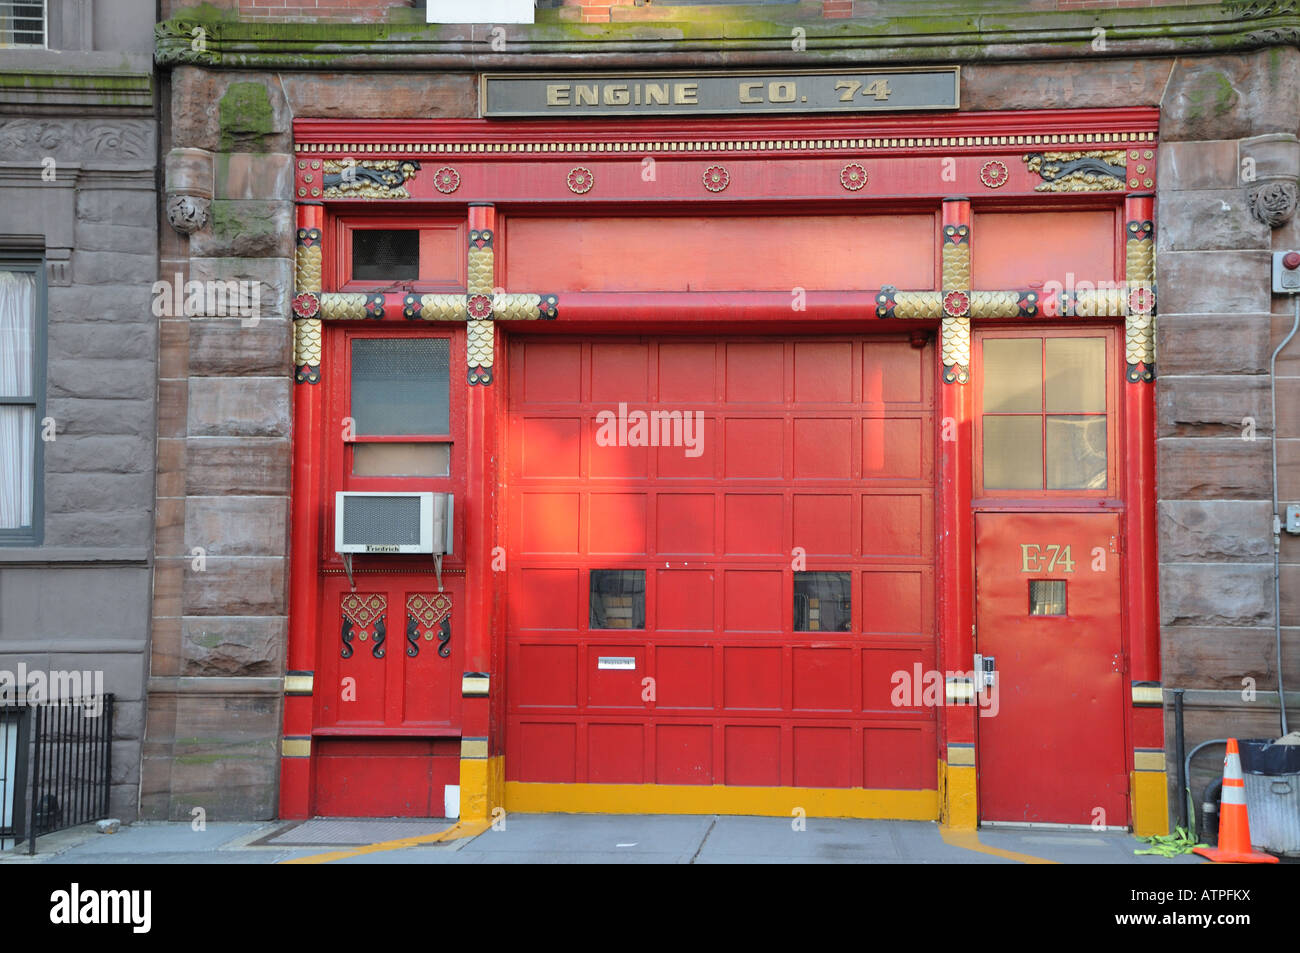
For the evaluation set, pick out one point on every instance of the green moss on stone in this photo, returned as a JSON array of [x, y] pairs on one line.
[[244, 118]]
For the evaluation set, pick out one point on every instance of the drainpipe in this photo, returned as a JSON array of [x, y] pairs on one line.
[[1277, 517]]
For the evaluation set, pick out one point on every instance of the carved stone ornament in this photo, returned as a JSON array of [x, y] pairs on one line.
[[187, 213], [1273, 203]]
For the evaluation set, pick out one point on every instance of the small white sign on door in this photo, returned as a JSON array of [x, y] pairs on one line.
[[623, 662]]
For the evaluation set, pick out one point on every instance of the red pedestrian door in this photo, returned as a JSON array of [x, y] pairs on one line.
[[1051, 730]]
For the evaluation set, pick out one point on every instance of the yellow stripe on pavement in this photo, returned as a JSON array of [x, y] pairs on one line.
[[457, 831], [970, 840]]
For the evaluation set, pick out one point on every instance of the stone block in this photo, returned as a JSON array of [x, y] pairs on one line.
[[237, 526], [125, 527], [117, 379], [1216, 594], [189, 172], [225, 756], [98, 416], [237, 585], [1213, 468], [274, 277], [1212, 344], [239, 406], [222, 348], [112, 267], [1232, 96], [85, 493], [1219, 657], [236, 466], [250, 175], [391, 96], [1218, 406], [115, 237], [247, 229], [234, 645], [112, 304], [1202, 219], [1214, 282], [1215, 530], [117, 207], [1197, 165], [104, 603], [72, 453], [102, 340], [207, 114], [1277, 154]]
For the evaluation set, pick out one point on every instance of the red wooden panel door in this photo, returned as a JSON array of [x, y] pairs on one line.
[[1051, 748], [820, 444]]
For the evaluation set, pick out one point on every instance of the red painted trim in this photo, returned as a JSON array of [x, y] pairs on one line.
[[304, 503], [480, 475]]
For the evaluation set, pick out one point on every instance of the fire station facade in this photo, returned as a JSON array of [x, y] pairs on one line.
[[803, 425]]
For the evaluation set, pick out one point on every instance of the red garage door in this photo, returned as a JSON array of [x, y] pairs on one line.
[[662, 493]]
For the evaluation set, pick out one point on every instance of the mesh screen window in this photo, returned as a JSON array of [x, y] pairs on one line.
[[401, 386], [381, 521], [385, 254], [1047, 597]]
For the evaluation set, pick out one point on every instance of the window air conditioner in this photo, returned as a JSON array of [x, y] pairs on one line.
[[392, 523]]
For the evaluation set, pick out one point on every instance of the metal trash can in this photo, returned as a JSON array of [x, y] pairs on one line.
[[1272, 775]]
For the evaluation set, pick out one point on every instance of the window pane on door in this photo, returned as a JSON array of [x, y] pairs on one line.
[[1013, 375], [1076, 375], [385, 254], [1076, 453], [1013, 453], [401, 459], [822, 602], [401, 386], [617, 599]]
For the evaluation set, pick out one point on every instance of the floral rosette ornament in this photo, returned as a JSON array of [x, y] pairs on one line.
[[479, 307], [446, 180], [306, 305], [853, 177], [716, 178], [581, 180], [994, 174], [956, 303]]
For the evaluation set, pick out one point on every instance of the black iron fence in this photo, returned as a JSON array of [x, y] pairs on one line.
[[68, 746]]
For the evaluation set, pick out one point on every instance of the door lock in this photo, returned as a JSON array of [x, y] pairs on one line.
[[986, 673]]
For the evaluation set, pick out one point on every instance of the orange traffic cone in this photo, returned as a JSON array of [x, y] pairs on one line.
[[1234, 821]]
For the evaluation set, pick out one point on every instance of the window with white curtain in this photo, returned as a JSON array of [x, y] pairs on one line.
[[20, 297]]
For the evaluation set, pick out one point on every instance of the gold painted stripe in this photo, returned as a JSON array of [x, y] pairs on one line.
[[473, 748], [961, 755], [298, 684], [295, 747], [1148, 695], [474, 686], [959, 691], [1148, 760], [970, 840], [1150, 794], [762, 145], [720, 799]]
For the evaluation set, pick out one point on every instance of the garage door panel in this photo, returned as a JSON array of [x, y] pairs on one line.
[[688, 372], [755, 448], [823, 448], [543, 676], [752, 678], [752, 524], [894, 372], [898, 524], [549, 447], [822, 679], [551, 371], [545, 599], [548, 523], [823, 372], [752, 600], [619, 372], [755, 372], [900, 679], [684, 600], [823, 757], [820, 443], [684, 754], [684, 523], [617, 524], [753, 755], [823, 524], [615, 753]]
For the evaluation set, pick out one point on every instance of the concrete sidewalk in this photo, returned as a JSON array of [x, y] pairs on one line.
[[584, 838]]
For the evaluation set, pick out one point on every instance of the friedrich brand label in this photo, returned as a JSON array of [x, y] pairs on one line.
[[378, 548], [704, 93], [624, 662]]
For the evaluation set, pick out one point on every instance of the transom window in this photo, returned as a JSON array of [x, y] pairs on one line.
[[1045, 413]]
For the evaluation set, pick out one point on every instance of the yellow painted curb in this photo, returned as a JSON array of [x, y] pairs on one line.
[[970, 840], [457, 831]]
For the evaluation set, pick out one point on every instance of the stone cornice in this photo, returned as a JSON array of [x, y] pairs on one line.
[[734, 42], [74, 92]]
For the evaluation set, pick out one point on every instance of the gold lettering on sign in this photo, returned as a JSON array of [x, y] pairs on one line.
[[780, 92], [557, 95], [585, 95], [1054, 553], [617, 95], [656, 94], [748, 97], [687, 94]]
